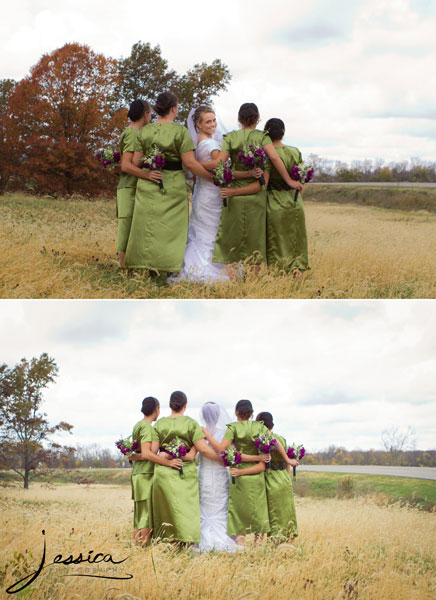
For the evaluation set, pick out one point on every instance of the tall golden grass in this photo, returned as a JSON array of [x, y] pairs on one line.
[[347, 549], [66, 249]]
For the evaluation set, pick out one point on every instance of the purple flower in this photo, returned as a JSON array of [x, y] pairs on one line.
[[295, 173], [291, 453], [159, 161]]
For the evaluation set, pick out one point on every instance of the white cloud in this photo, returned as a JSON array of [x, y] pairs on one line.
[[376, 60], [330, 372]]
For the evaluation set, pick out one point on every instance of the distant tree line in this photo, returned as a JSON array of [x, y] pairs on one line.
[[74, 102], [413, 170], [336, 455]]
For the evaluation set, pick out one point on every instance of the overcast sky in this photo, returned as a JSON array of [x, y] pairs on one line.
[[352, 79], [330, 372]]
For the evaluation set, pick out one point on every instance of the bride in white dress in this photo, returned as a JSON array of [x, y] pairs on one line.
[[213, 478], [206, 203]]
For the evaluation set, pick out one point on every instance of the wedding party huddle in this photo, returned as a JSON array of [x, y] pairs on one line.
[[242, 485], [246, 204]]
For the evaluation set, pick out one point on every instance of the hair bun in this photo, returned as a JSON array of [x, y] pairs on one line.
[[177, 401], [164, 103], [248, 114], [137, 109], [275, 128]]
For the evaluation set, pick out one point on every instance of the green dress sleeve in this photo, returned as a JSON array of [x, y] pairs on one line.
[[266, 139], [230, 433], [196, 432], [154, 435], [157, 432], [128, 140], [185, 143], [138, 147], [145, 433], [225, 147]]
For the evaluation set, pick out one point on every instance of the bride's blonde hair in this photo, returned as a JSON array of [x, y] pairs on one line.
[[196, 117]]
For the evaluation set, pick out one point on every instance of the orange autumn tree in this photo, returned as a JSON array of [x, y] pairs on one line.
[[62, 113]]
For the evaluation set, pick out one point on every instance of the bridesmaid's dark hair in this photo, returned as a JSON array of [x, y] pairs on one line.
[[177, 401], [248, 114], [149, 405], [275, 129], [266, 418], [165, 102], [244, 409], [137, 109]]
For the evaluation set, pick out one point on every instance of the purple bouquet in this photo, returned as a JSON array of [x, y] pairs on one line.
[[222, 175], [154, 161], [177, 449], [126, 446], [108, 157], [296, 452], [253, 156], [231, 458], [266, 443], [302, 173]]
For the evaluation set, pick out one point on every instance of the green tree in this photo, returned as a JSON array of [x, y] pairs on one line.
[[347, 175], [421, 174], [24, 431], [145, 74], [383, 174], [6, 87], [199, 85]]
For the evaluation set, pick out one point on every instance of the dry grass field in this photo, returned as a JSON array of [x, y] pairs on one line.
[[347, 550], [55, 248]]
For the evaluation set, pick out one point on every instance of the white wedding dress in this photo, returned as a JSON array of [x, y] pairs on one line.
[[203, 225], [213, 478]]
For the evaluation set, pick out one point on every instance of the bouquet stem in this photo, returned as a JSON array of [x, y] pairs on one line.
[[296, 196], [161, 184], [262, 180], [181, 472], [294, 471], [233, 480]]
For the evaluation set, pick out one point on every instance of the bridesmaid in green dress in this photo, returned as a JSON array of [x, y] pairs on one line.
[[248, 508], [279, 491], [176, 503], [139, 115], [160, 218], [142, 473], [241, 233], [286, 240]]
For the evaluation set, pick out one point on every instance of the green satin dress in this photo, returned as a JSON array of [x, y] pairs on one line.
[[142, 478], [176, 502], [280, 497], [242, 229], [248, 508], [286, 244], [126, 191], [160, 218]]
